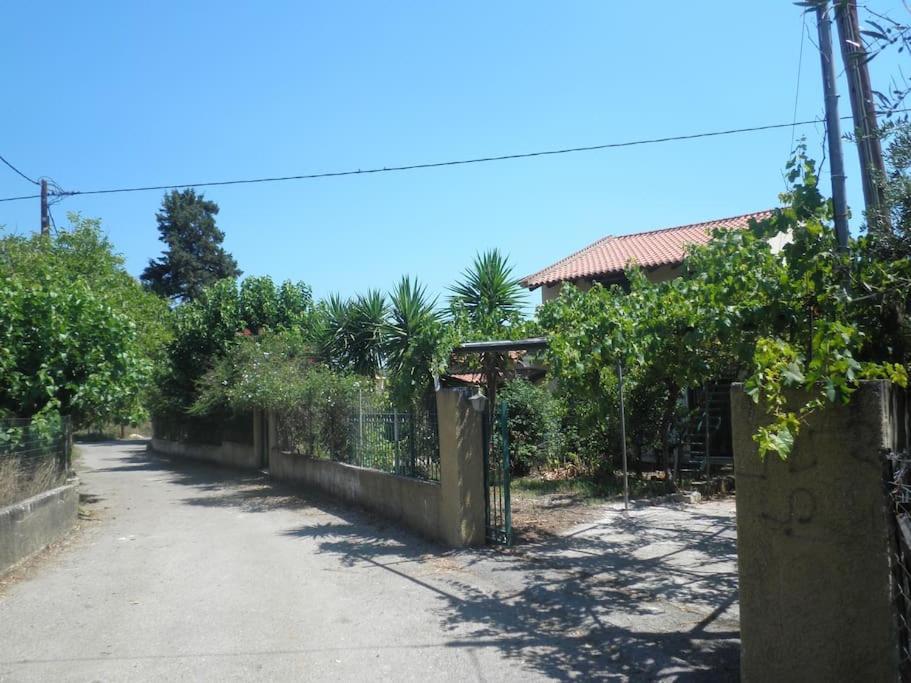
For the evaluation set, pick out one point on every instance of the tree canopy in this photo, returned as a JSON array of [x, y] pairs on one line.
[[194, 257], [78, 335]]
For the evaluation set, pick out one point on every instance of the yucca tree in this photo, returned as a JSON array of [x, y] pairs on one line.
[[332, 332], [412, 333], [488, 295], [366, 327], [489, 300]]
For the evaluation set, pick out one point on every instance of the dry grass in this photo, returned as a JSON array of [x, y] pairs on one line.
[[21, 479]]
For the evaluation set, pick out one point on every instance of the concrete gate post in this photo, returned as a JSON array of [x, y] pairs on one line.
[[461, 469], [814, 546]]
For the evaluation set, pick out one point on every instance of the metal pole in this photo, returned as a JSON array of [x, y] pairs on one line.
[[45, 220], [623, 437], [706, 417], [833, 127], [360, 419], [507, 503]]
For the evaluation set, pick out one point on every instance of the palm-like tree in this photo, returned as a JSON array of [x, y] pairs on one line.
[[412, 332], [491, 301], [366, 325], [488, 295], [332, 331]]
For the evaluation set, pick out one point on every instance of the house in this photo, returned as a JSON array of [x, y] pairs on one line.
[[659, 253]]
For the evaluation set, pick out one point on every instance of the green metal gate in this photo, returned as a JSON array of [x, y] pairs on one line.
[[498, 517]]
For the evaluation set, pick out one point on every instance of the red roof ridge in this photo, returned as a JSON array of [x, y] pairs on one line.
[[726, 219], [609, 238]]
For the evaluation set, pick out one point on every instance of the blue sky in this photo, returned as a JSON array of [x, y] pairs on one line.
[[108, 94]]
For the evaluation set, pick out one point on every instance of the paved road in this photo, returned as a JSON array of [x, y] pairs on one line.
[[185, 571]]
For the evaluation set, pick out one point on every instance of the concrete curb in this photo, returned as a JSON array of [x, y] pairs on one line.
[[31, 525]]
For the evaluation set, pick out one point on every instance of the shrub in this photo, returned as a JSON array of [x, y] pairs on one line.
[[533, 419]]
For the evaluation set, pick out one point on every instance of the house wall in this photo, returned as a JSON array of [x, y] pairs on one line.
[[660, 274]]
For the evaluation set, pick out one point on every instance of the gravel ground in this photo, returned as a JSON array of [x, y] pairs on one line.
[[185, 571]]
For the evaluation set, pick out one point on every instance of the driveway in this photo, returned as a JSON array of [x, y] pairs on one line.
[[186, 571]]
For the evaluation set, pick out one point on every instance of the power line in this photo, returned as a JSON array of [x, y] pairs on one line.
[[435, 164], [33, 182], [803, 35]]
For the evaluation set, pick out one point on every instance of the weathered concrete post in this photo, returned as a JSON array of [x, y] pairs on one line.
[[259, 437], [813, 541], [461, 469]]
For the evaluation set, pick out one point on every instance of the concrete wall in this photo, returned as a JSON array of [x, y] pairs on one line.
[[411, 502], [451, 511], [813, 540], [231, 454], [33, 524]]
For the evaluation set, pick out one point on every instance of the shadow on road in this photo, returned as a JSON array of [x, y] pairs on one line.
[[641, 596]]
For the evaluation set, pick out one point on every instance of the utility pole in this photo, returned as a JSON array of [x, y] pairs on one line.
[[866, 130], [833, 127], [45, 220]]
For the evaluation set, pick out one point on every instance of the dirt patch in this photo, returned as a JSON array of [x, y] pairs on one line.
[[536, 517]]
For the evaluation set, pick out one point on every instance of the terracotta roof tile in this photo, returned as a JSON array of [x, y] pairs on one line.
[[610, 256]]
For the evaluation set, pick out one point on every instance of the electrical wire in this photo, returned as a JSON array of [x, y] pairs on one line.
[[803, 36], [33, 182], [435, 164]]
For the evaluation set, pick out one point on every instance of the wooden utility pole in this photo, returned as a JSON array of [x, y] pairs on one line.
[[45, 220], [863, 110], [833, 127]]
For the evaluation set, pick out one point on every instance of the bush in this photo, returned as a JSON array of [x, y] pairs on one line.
[[533, 419], [78, 335]]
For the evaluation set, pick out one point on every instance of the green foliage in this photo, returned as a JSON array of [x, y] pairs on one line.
[[276, 371], [350, 335], [367, 322], [415, 340], [534, 418], [194, 257], [206, 329], [488, 296], [806, 316], [78, 335]]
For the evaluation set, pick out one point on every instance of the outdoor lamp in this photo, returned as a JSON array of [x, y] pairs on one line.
[[478, 401]]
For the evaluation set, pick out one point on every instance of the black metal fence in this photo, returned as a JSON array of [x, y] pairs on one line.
[[381, 438], [34, 456], [210, 429], [898, 486]]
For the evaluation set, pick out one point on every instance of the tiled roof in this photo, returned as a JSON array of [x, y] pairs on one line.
[[610, 256]]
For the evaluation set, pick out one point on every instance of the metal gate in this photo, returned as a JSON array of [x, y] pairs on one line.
[[498, 516]]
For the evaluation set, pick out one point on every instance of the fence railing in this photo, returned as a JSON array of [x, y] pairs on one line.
[[899, 488], [34, 456], [402, 443]]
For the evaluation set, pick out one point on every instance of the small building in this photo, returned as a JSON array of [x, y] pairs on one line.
[[659, 253]]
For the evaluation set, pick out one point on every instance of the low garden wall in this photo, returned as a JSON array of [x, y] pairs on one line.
[[451, 511], [31, 525], [411, 502], [226, 453]]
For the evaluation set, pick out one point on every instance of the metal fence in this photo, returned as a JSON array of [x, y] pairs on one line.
[[398, 442], [34, 456], [900, 496]]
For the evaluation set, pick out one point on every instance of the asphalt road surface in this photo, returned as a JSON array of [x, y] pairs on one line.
[[186, 571]]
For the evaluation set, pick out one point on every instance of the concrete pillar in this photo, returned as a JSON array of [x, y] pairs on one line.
[[461, 470], [814, 548], [258, 437]]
